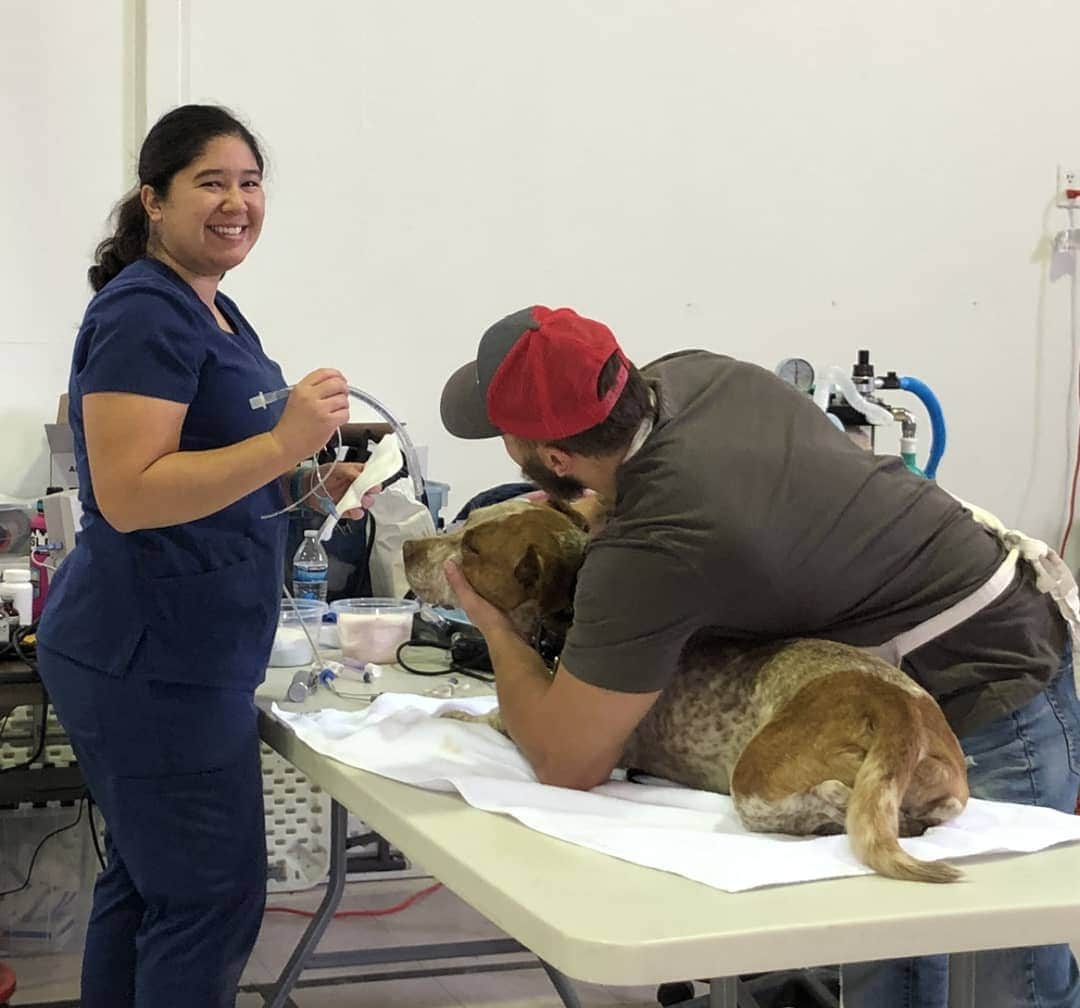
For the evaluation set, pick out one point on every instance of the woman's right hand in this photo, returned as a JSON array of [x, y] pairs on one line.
[[316, 407]]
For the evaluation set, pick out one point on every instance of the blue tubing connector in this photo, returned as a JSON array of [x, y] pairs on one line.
[[937, 421]]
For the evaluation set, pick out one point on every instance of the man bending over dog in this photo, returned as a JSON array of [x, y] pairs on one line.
[[734, 503]]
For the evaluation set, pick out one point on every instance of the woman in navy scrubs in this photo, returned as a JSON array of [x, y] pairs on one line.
[[159, 625]]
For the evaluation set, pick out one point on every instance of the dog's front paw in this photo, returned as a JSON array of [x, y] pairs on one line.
[[492, 718], [460, 715]]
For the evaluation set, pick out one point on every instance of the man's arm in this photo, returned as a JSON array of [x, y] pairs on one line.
[[571, 733]]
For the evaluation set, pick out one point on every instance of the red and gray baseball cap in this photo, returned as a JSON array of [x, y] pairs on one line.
[[535, 376]]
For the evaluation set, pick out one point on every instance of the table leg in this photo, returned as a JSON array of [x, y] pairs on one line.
[[563, 987], [335, 886], [724, 992], [962, 980]]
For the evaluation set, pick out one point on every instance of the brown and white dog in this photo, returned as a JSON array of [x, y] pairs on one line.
[[807, 736]]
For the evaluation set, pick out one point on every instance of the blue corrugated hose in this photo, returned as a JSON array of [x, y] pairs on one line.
[[937, 421]]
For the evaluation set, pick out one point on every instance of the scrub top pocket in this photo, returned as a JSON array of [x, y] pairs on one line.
[[186, 638]]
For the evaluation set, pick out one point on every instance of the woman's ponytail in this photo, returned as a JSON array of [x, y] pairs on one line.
[[125, 245]]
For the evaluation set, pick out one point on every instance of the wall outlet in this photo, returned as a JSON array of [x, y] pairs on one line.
[[1068, 187]]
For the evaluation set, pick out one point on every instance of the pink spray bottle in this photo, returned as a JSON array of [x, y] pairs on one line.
[[39, 559]]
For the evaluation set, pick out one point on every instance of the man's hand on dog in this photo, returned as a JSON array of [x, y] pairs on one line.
[[483, 615]]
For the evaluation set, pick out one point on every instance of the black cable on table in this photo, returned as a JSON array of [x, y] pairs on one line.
[[455, 666]]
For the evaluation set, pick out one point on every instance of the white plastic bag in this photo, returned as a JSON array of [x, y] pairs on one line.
[[399, 516]]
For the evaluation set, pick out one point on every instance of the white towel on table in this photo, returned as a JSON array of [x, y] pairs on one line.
[[696, 834]]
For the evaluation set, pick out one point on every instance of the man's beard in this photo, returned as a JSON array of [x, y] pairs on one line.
[[564, 488]]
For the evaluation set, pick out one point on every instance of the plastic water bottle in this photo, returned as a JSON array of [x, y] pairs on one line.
[[310, 568]]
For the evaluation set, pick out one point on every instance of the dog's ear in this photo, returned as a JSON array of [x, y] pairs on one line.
[[557, 587], [530, 568], [557, 581], [550, 580], [563, 508]]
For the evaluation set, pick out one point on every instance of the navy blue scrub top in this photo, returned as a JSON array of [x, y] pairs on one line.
[[197, 602]]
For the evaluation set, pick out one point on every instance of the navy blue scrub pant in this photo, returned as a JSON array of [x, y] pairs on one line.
[[175, 769]]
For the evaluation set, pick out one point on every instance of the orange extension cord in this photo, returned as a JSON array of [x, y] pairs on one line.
[[383, 912]]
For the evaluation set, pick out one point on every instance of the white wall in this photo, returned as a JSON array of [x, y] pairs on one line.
[[762, 179], [65, 110]]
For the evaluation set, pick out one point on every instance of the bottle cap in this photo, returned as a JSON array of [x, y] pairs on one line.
[[17, 576]]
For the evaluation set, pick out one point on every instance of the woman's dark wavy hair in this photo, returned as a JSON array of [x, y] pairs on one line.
[[175, 140]]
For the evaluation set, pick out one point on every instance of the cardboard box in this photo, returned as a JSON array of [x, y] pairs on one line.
[[62, 472]]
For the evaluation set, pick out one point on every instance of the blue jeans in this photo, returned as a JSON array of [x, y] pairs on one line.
[[1031, 757]]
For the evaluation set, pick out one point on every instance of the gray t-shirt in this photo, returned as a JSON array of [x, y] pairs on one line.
[[747, 512]]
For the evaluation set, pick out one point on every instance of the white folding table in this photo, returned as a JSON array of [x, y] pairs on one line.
[[591, 917]]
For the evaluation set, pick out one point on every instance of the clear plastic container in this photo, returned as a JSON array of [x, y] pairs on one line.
[[291, 645], [50, 914], [372, 629]]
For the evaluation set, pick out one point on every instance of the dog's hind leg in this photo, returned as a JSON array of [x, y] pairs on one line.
[[915, 822], [834, 796], [803, 814], [780, 784]]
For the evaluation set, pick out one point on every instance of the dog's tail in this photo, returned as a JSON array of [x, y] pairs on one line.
[[873, 814]]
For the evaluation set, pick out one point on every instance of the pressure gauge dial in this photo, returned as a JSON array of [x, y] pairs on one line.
[[797, 372]]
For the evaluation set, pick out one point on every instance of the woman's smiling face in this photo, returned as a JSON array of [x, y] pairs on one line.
[[212, 214]]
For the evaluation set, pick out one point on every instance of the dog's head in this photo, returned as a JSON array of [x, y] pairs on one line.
[[520, 556]]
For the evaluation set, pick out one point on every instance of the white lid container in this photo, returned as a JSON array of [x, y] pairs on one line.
[[17, 586], [291, 646], [372, 629]]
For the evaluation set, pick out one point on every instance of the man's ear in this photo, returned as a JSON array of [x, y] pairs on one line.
[[557, 460], [530, 568]]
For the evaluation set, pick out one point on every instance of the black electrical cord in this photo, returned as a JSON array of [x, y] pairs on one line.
[[40, 745], [6, 647], [93, 829], [15, 647], [37, 851], [26, 653], [370, 545], [356, 586], [458, 653]]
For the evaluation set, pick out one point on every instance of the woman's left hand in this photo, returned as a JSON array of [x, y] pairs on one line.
[[337, 482]]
